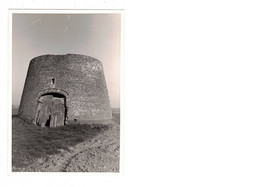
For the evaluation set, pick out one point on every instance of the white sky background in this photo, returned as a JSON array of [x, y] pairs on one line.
[[96, 35]]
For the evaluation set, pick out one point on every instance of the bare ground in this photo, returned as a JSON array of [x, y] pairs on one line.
[[81, 148]]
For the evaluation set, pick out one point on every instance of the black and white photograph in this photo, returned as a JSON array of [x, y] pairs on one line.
[[125, 93], [66, 91]]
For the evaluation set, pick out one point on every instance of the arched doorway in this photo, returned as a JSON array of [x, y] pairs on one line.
[[51, 110]]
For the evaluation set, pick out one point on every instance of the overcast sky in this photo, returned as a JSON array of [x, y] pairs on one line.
[[96, 35]]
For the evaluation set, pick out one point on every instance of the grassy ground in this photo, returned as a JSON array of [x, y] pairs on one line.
[[33, 146]]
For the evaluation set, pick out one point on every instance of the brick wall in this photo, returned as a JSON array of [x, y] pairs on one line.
[[79, 78]]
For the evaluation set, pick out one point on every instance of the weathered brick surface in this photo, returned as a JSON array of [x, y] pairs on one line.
[[79, 78]]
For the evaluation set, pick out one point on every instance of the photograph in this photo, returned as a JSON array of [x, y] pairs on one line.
[[130, 93], [66, 91]]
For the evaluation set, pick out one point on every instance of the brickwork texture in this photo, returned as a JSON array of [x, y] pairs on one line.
[[79, 78]]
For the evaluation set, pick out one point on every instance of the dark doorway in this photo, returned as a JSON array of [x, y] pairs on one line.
[[51, 110]]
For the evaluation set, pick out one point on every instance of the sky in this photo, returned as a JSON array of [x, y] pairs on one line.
[[96, 35]]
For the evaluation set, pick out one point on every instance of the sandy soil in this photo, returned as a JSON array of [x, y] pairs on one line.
[[98, 154]]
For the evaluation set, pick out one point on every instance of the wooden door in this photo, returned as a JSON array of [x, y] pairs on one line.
[[58, 112], [50, 111], [44, 110]]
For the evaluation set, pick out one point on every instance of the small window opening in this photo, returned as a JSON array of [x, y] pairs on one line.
[[75, 119], [52, 81]]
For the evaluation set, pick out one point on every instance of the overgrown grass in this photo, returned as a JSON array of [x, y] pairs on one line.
[[30, 142]]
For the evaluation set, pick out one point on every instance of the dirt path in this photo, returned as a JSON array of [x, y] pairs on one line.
[[100, 154]]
